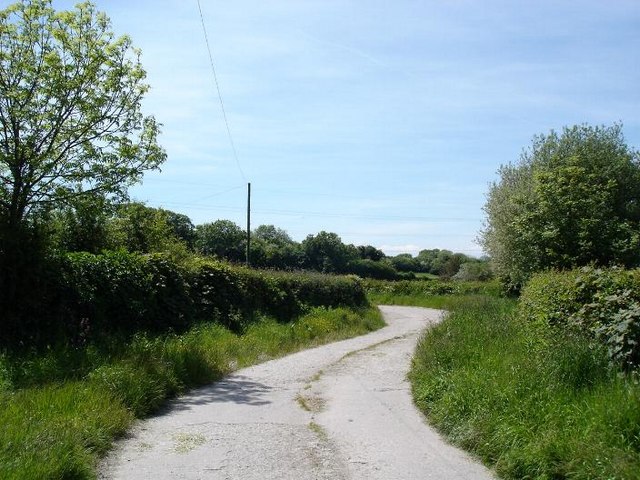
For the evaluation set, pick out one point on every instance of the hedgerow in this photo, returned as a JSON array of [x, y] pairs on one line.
[[85, 295], [603, 303]]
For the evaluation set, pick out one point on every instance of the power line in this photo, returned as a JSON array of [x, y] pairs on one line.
[[215, 78], [324, 214], [218, 193]]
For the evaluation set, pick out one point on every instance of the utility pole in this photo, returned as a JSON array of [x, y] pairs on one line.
[[248, 224]]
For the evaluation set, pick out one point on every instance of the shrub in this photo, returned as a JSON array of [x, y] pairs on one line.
[[605, 303], [367, 268], [117, 291]]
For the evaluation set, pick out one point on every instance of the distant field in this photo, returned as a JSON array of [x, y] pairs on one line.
[[429, 276]]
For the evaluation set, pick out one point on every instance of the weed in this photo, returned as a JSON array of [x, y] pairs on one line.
[[185, 442], [318, 430]]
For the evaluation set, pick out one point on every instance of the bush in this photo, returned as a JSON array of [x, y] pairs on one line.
[[367, 268], [605, 303], [128, 292]]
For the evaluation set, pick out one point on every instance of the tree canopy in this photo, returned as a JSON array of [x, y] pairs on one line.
[[326, 253], [572, 199], [70, 109], [222, 238]]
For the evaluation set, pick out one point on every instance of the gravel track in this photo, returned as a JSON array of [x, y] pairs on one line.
[[340, 411]]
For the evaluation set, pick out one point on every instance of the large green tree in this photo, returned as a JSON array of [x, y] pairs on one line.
[[272, 247], [223, 239], [572, 199], [325, 252], [70, 109], [272, 234]]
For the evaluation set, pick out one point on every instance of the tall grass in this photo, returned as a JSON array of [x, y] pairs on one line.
[[428, 293], [60, 411], [530, 404]]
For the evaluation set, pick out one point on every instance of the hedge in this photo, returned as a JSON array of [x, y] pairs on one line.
[[603, 303], [85, 295]]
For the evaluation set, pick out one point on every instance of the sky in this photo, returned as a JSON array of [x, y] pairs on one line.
[[384, 122]]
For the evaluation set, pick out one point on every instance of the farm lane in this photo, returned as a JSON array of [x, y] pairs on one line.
[[340, 411]]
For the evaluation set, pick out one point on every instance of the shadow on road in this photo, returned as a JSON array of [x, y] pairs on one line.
[[236, 388]]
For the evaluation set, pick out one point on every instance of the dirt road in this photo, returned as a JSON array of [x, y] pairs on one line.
[[341, 411]]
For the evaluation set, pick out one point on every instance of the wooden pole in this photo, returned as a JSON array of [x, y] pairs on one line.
[[249, 224]]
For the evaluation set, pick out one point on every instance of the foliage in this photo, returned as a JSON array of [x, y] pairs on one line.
[[288, 256], [72, 136], [138, 228], [405, 262], [429, 287], [326, 253], [60, 410], [29, 279], [86, 295], [273, 235], [272, 247], [82, 224], [93, 224], [181, 227], [443, 263], [529, 406], [573, 199], [474, 271], [367, 268], [70, 98], [222, 239], [369, 252], [605, 303]]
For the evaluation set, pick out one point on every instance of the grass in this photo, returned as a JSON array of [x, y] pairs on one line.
[[60, 411], [428, 276], [443, 302], [530, 403]]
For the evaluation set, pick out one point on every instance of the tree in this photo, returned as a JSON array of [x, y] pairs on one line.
[[83, 225], [474, 270], [325, 252], [573, 199], [272, 235], [221, 238], [182, 227], [404, 262], [272, 247], [70, 109], [452, 264], [139, 228], [369, 252]]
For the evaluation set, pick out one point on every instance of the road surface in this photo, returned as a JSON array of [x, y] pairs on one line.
[[340, 411]]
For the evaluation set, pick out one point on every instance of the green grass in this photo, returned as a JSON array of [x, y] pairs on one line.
[[444, 302], [531, 403], [61, 410], [428, 276]]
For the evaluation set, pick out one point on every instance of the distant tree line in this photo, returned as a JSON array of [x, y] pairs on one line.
[[444, 263], [94, 225]]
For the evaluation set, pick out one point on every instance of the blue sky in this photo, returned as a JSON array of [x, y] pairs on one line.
[[383, 122]]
